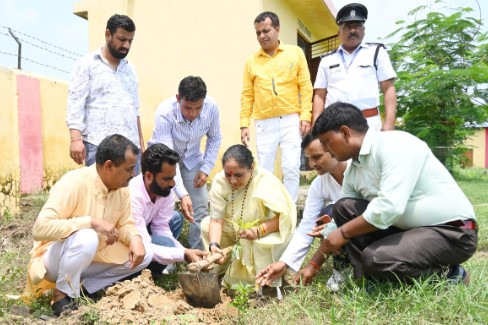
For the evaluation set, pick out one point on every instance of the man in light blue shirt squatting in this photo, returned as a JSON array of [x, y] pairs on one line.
[[402, 215], [102, 96], [180, 123]]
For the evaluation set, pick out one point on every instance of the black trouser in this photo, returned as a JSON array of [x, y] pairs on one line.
[[402, 254]]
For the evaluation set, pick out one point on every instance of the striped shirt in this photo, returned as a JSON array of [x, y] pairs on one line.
[[184, 137]]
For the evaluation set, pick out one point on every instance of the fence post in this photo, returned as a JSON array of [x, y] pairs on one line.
[[19, 52]]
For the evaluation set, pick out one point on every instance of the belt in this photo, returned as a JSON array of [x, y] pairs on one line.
[[370, 112], [466, 224]]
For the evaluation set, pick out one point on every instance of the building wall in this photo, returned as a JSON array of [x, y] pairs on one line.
[[55, 134], [173, 40], [9, 139], [34, 139], [30, 133], [479, 142], [288, 19]]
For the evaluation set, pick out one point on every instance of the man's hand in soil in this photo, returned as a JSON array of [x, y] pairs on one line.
[[270, 273], [106, 229], [136, 251], [305, 275]]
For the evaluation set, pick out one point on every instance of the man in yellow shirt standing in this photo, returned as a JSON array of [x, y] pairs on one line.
[[85, 232], [277, 94]]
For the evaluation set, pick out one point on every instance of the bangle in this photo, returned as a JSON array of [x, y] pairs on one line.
[[258, 232], [77, 139], [263, 230], [315, 265], [342, 234], [213, 244]]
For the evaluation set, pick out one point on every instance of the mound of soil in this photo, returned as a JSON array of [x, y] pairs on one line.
[[140, 301]]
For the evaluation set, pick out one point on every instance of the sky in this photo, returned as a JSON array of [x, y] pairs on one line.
[[51, 25]]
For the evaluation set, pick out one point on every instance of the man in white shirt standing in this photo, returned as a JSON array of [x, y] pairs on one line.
[[152, 202], [103, 96], [323, 192], [352, 72]]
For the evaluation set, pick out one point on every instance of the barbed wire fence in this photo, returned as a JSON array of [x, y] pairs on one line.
[[35, 42]]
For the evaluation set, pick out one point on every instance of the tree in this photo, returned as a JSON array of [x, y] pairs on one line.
[[442, 67]]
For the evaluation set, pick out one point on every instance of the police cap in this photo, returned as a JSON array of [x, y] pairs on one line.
[[352, 12]]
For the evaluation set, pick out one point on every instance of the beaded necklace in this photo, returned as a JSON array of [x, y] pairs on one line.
[[243, 200]]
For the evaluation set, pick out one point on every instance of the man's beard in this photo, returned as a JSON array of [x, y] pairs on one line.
[[113, 51], [158, 190]]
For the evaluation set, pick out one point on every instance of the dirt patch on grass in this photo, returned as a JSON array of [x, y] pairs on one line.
[[140, 301]]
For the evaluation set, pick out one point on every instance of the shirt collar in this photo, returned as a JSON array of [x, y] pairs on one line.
[[367, 144], [101, 186], [181, 119], [98, 54], [139, 182], [340, 48], [280, 48]]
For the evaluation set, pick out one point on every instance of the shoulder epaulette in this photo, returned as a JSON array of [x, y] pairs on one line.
[[328, 53]]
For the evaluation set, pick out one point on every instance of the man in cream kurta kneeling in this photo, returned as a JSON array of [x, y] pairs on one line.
[[85, 234]]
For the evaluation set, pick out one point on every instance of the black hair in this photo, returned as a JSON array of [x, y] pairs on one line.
[[275, 21], [114, 148], [338, 114], [155, 155], [122, 21], [241, 154], [192, 88], [307, 140]]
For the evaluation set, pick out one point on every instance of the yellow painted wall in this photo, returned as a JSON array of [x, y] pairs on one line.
[[9, 143], [288, 19], [314, 15], [175, 39], [55, 142], [477, 143], [211, 39]]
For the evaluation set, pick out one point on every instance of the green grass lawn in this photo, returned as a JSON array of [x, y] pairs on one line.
[[424, 302]]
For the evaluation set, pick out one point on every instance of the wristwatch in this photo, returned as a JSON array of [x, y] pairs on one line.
[[213, 244]]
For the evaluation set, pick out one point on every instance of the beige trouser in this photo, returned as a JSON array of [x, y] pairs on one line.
[[69, 263]]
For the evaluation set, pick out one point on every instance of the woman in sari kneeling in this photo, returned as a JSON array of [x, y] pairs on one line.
[[251, 209]]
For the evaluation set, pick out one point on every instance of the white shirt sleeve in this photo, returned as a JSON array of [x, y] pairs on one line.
[[385, 68], [300, 243]]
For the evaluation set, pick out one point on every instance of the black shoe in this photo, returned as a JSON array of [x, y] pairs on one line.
[[458, 275], [66, 304]]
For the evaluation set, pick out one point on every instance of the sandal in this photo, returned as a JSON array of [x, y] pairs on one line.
[[64, 305]]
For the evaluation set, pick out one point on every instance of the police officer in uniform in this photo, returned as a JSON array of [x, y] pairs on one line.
[[352, 72]]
